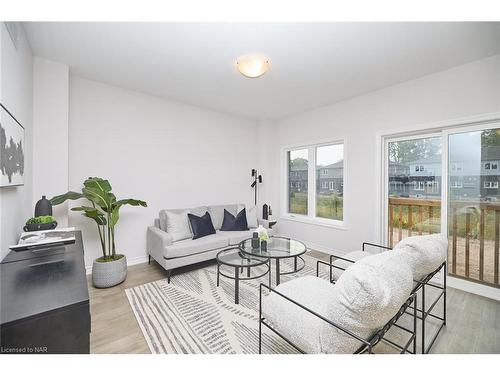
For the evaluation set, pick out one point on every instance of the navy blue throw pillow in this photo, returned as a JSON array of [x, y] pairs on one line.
[[201, 225], [231, 223]]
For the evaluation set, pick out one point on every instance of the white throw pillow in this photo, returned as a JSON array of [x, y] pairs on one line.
[[251, 215], [424, 254], [178, 225]]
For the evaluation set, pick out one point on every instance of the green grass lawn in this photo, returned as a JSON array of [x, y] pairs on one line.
[[327, 206]]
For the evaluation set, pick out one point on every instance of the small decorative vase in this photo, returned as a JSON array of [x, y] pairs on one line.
[[255, 240], [265, 212], [108, 274], [43, 207], [263, 245]]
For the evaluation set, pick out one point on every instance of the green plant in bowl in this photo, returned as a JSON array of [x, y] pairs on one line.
[[41, 220]]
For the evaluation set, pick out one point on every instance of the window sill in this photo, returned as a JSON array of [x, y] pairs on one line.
[[334, 224]]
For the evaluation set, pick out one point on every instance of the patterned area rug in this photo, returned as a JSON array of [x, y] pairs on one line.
[[193, 315]]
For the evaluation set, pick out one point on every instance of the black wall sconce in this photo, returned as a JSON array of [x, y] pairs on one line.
[[257, 180]]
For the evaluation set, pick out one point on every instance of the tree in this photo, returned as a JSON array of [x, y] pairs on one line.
[[405, 152]]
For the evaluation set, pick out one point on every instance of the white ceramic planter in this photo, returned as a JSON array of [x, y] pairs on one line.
[[108, 274]]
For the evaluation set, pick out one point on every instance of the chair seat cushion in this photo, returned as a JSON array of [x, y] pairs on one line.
[[293, 322], [354, 256], [189, 246], [235, 237]]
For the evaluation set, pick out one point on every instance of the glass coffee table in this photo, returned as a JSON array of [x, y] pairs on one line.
[[232, 257], [278, 248]]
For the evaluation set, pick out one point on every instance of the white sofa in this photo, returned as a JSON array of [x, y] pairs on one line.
[[172, 254], [363, 300]]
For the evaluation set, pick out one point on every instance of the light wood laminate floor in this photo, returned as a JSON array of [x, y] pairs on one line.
[[473, 321]]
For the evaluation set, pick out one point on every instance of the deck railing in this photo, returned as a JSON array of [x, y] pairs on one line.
[[474, 233]]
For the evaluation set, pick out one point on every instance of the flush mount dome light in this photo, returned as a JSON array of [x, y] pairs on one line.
[[252, 66]]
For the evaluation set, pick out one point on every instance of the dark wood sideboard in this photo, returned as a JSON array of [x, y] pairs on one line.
[[44, 301]]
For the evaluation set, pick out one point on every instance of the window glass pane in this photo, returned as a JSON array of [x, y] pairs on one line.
[[415, 187], [473, 205], [330, 181], [297, 181]]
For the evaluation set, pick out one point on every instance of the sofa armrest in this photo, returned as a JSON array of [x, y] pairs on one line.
[[156, 242]]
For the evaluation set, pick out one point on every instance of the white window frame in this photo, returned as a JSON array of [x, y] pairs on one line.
[[311, 218]]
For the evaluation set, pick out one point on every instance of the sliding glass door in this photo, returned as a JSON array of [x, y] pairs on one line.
[[448, 182]]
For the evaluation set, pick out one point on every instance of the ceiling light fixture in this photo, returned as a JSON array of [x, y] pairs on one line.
[[252, 66]]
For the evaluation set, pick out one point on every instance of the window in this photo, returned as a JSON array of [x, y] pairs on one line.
[[456, 184], [494, 165], [491, 184], [317, 199], [419, 185], [432, 187], [297, 175], [417, 168], [330, 206], [486, 165]]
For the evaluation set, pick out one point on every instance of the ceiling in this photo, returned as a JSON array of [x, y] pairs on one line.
[[312, 64]]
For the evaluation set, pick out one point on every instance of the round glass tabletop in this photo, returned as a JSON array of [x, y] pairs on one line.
[[277, 247], [233, 257]]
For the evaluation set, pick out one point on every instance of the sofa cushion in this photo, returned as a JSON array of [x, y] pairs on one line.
[[163, 216], [198, 211], [178, 225], [424, 254], [354, 256], [217, 213], [364, 299], [201, 226], [190, 247], [251, 215], [234, 223]]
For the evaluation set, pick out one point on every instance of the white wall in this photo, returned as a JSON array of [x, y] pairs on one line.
[[50, 123], [17, 95], [169, 154], [467, 90]]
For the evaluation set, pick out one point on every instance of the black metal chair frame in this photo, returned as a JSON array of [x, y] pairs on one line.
[[365, 345], [422, 313]]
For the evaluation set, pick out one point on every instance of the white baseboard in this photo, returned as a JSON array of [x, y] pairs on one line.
[[475, 288], [130, 262]]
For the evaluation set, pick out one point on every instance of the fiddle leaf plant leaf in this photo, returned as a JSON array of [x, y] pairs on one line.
[[92, 213], [70, 195]]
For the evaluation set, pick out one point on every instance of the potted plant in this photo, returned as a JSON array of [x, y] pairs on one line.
[[111, 268], [44, 222]]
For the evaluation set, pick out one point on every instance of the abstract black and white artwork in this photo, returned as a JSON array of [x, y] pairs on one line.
[[11, 149]]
